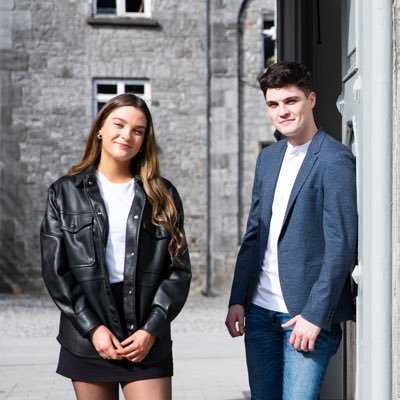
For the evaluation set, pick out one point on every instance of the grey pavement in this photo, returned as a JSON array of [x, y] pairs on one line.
[[208, 364]]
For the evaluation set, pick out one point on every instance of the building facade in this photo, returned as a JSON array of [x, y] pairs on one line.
[[196, 63]]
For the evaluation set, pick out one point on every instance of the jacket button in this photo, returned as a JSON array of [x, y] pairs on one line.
[[136, 216], [132, 254], [99, 212], [130, 291], [131, 327], [90, 183]]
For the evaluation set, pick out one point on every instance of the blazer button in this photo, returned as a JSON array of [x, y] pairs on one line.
[[131, 327], [99, 212], [136, 216], [130, 291]]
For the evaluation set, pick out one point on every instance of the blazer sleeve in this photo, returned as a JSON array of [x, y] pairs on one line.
[[173, 290], [247, 262], [66, 293], [340, 239]]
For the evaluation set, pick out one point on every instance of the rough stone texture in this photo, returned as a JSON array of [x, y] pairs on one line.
[[49, 56]]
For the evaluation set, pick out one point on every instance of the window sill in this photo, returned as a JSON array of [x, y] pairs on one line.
[[123, 21]]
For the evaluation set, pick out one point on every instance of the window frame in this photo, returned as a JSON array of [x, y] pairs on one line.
[[269, 16], [120, 86], [120, 10]]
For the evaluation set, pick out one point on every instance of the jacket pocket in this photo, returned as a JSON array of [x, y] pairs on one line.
[[77, 229]]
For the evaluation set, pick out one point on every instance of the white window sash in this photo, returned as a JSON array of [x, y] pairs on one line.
[[121, 9], [120, 84]]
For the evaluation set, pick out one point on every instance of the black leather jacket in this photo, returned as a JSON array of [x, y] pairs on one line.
[[73, 240]]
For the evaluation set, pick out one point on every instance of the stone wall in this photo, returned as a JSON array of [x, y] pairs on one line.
[[49, 56]]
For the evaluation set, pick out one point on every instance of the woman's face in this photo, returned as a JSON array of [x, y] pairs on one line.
[[122, 134]]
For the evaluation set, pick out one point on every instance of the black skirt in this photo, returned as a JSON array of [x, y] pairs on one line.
[[99, 370]]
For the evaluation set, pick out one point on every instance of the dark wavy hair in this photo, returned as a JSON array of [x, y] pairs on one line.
[[145, 163], [285, 73]]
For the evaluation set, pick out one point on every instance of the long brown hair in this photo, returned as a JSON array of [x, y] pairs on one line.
[[145, 163]]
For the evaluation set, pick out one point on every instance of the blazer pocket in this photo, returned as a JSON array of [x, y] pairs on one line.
[[311, 192], [77, 230]]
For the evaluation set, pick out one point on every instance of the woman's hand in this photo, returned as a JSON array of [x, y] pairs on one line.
[[105, 343], [136, 347]]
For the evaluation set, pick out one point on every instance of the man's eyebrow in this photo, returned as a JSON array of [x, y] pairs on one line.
[[292, 98], [284, 100]]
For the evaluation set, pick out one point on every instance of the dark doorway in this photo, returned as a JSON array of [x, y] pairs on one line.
[[310, 32]]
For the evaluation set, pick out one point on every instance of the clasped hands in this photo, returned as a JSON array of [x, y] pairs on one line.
[[302, 338], [134, 348]]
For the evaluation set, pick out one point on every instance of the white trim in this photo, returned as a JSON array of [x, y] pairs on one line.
[[120, 84], [121, 9]]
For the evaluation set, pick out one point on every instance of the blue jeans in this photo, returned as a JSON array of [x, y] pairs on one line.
[[276, 370]]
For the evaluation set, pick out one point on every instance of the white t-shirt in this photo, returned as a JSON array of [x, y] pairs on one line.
[[269, 293], [118, 199]]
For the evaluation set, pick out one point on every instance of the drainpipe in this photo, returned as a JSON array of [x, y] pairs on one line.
[[240, 119], [207, 291], [374, 330]]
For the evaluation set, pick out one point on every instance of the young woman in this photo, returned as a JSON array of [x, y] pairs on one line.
[[115, 260]]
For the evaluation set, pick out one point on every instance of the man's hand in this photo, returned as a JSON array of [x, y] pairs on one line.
[[304, 333], [235, 320], [105, 343]]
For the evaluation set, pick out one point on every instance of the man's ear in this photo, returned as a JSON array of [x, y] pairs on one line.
[[312, 98]]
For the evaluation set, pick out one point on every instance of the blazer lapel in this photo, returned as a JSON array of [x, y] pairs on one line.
[[309, 160], [269, 179]]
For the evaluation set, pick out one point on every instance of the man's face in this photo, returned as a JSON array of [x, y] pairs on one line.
[[290, 111]]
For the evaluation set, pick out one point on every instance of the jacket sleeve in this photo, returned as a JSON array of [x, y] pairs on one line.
[[247, 259], [340, 238], [66, 293], [173, 290]]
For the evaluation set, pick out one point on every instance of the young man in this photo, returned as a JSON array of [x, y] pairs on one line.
[[292, 275]]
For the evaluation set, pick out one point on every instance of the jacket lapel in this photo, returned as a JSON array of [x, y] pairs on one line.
[[269, 179], [309, 161], [271, 174]]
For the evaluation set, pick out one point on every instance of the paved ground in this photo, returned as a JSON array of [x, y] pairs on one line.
[[208, 364]]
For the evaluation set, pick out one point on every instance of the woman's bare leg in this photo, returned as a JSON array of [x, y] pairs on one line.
[[154, 389], [96, 390]]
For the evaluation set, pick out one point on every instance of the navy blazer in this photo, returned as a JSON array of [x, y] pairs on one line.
[[318, 239]]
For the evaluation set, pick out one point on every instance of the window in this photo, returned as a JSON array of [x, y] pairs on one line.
[[105, 89], [269, 36], [125, 8]]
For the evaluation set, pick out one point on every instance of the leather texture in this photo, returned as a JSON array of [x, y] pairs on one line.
[[73, 239]]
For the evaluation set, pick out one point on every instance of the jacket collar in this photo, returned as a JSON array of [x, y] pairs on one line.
[[90, 173], [317, 141]]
